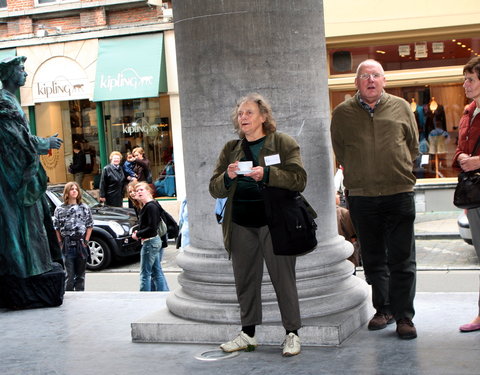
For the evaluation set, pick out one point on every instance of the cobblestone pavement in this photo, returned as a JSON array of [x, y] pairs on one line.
[[445, 254], [438, 246], [442, 254]]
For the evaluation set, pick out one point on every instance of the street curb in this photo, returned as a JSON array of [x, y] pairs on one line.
[[437, 236]]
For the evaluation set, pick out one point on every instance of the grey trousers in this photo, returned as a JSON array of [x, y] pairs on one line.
[[474, 221], [249, 248]]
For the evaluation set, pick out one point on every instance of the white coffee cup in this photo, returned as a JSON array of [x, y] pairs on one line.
[[245, 166]]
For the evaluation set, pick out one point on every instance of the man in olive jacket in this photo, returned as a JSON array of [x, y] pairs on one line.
[[375, 138]]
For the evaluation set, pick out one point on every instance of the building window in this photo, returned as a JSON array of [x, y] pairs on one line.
[[413, 55], [3, 3], [43, 2]]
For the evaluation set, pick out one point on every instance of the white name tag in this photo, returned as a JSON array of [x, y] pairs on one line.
[[272, 160]]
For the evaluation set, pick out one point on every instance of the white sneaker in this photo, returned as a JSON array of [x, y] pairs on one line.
[[291, 345], [241, 342]]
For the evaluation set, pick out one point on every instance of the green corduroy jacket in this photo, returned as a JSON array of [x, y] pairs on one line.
[[289, 174]]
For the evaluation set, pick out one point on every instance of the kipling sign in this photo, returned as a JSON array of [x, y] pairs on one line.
[[60, 79], [59, 89], [127, 78]]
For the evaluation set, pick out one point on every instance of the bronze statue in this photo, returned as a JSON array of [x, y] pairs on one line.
[[28, 276]]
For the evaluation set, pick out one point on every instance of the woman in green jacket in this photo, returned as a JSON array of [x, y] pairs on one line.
[[276, 162]]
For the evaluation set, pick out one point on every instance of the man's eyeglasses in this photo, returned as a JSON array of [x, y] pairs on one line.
[[366, 76]]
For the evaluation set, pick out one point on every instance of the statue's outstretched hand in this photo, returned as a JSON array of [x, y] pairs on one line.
[[55, 142]]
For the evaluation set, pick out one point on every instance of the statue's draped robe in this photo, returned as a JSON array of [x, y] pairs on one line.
[[25, 249]]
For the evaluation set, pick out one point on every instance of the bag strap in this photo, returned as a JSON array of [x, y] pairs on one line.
[[248, 152]]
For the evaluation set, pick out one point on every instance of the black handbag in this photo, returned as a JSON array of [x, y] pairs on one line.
[[467, 192], [291, 222]]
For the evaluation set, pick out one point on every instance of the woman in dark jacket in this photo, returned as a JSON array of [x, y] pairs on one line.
[[112, 181], [142, 165], [276, 163], [151, 213]]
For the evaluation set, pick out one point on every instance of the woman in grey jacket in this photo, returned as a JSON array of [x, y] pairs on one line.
[[276, 162]]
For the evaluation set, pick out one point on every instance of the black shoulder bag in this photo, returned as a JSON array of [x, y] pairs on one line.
[[290, 221], [467, 192], [290, 218]]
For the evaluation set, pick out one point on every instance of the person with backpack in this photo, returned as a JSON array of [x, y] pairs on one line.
[[150, 217]]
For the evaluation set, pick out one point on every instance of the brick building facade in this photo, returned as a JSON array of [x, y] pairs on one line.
[[101, 73]]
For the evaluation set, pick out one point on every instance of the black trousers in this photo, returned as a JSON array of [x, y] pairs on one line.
[[385, 228]]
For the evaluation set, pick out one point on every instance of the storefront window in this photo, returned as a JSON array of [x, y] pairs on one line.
[[75, 122], [141, 123], [401, 56], [84, 130], [437, 110]]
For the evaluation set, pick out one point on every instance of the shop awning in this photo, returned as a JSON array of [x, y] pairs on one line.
[[130, 67]]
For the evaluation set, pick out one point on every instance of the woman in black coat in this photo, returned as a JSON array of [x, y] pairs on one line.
[[142, 165], [112, 181]]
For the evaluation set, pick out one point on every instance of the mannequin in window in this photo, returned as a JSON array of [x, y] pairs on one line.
[[418, 113], [413, 105], [437, 140], [434, 110]]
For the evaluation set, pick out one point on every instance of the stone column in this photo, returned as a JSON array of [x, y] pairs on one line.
[[226, 49]]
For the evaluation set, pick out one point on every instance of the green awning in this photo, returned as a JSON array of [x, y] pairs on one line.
[[130, 67]]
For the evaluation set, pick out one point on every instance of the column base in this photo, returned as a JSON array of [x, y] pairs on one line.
[[330, 330]]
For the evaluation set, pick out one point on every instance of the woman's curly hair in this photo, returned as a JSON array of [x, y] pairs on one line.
[[269, 126]]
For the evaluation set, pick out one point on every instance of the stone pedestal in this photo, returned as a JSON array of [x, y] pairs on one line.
[[226, 49]]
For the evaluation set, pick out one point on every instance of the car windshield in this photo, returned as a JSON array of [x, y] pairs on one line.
[[88, 199]]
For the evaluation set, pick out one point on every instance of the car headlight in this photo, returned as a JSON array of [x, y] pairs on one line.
[[117, 228]]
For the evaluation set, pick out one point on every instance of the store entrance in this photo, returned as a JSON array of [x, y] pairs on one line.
[[75, 122]]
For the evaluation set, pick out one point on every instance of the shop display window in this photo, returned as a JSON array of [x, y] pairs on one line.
[[437, 110], [408, 55], [141, 123], [3, 4], [84, 130]]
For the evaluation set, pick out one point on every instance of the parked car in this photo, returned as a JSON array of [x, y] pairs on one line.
[[464, 228], [112, 228]]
